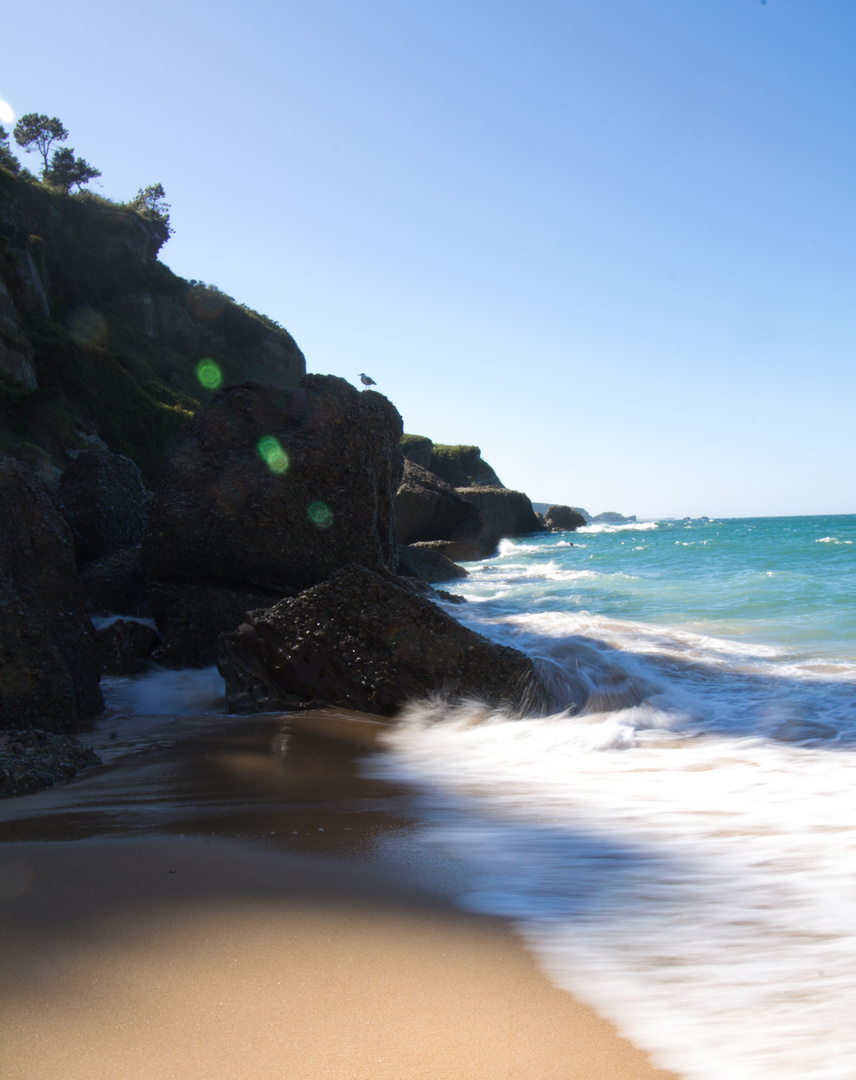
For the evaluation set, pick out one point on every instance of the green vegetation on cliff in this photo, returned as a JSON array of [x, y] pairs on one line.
[[97, 337]]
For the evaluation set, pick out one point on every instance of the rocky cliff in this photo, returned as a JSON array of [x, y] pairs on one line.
[[99, 340]]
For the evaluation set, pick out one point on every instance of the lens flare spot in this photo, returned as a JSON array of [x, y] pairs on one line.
[[7, 113], [86, 326], [273, 454], [320, 514], [209, 374]]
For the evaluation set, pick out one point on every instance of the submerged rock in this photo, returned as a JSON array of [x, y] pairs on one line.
[[363, 641]]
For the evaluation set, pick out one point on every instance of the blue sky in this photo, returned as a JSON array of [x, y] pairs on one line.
[[612, 243]]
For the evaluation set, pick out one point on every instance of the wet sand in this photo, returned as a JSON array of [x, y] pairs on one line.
[[231, 899]]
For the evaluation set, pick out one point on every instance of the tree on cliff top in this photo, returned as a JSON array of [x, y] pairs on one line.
[[65, 170], [151, 202], [35, 131], [7, 158]]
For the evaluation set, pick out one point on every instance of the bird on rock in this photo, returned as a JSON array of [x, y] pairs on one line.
[[367, 380]]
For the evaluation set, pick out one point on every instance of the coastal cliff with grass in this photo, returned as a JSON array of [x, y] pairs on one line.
[[100, 342]]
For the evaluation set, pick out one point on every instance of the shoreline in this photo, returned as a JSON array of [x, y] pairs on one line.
[[322, 946]]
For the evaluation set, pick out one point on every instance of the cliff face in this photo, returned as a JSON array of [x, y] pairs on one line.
[[100, 340]]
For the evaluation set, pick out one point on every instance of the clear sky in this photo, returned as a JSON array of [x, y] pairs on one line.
[[612, 242]]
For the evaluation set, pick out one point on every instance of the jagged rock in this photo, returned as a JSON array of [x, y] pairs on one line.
[[427, 564], [563, 518], [124, 645], [191, 615], [275, 489], [427, 508], [116, 584], [461, 550], [32, 759], [363, 641], [50, 668], [105, 502], [504, 513]]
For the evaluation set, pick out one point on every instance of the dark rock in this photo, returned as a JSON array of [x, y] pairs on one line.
[[426, 564], [50, 668], [275, 489], [563, 518], [124, 645], [191, 615], [362, 641], [461, 550], [427, 508], [116, 584], [104, 500], [504, 513], [36, 685], [32, 759]]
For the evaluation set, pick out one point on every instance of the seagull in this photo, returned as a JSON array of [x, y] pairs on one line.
[[367, 380]]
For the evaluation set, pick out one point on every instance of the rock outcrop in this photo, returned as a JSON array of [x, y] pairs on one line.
[[105, 503], [49, 669], [418, 449], [460, 550], [270, 491], [361, 640], [427, 564], [462, 466], [563, 518], [427, 508], [504, 513]]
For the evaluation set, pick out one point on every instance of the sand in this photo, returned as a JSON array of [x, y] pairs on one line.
[[146, 955]]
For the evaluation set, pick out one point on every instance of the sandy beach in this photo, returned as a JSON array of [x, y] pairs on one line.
[[257, 930]]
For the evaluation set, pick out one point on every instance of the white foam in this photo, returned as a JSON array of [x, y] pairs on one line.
[[696, 890], [185, 692]]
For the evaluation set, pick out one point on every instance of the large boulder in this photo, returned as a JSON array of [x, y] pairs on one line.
[[563, 518], [103, 497], [116, 584], [276, 489], [269, 491], [49, 672], [504, 513], [190, 615], [363, 641], [427, 508]]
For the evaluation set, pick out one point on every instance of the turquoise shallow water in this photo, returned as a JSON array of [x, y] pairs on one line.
[[788, 582], [680, 850]]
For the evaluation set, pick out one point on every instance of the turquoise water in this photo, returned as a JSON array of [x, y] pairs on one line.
[[678, 847], [779, 581]]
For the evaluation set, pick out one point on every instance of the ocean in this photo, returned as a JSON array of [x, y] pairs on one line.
[[681, 852]]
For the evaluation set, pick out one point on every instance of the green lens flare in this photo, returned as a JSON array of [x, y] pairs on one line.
[[209, 374], [273, 454], [320, 514]]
